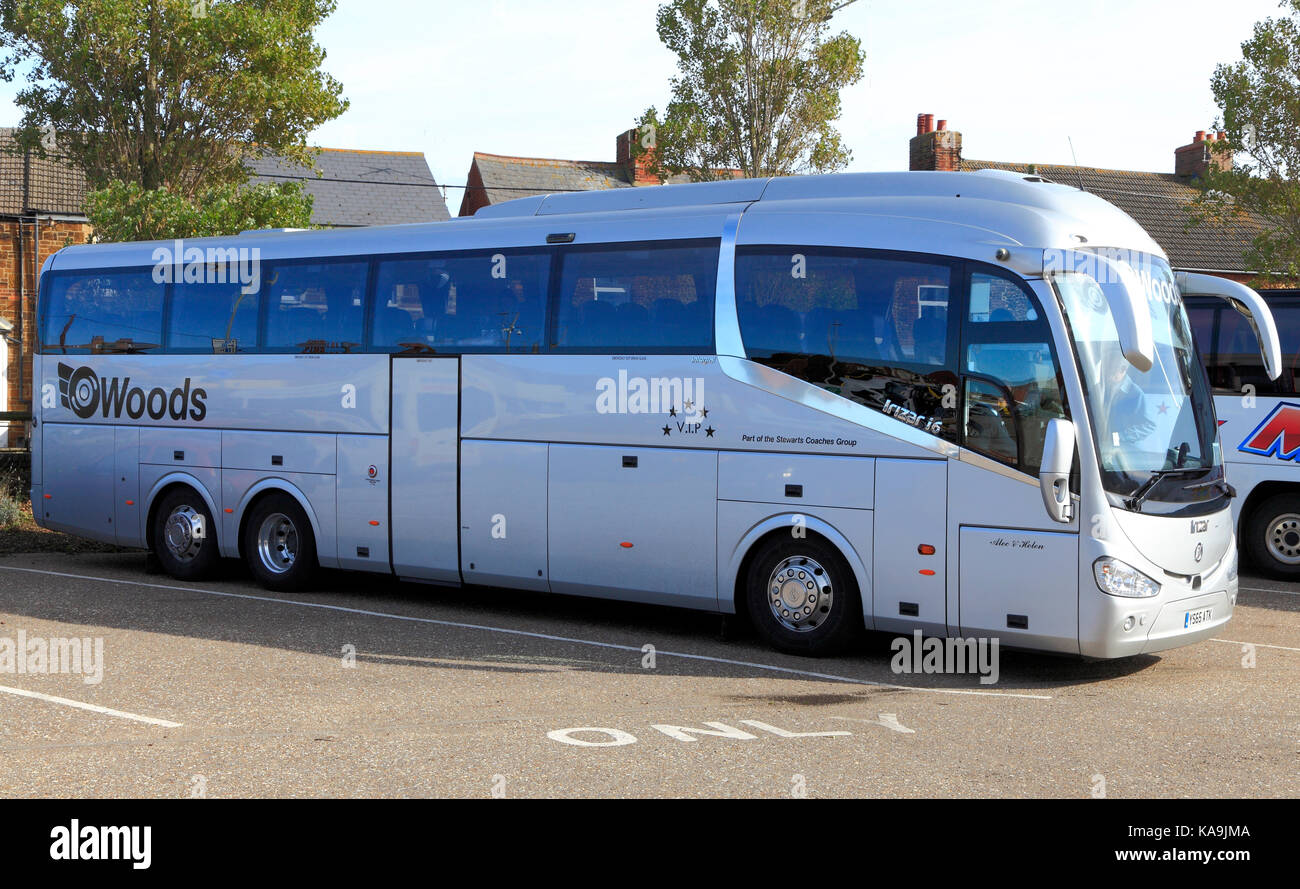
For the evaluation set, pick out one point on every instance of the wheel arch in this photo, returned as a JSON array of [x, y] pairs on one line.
[[1260, 493], [260, 491], [780, 524], [164, 486]]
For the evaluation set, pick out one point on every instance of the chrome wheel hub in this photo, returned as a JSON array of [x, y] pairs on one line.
[[277, 543], [184, 533], [799, 593], [1283, 538]]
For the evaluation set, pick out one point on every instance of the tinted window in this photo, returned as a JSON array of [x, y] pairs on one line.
[[106, 311], [314, 307], [1007, 341], [1237, 363], [642, 298], [212, 318], [467, 303], [854, 307], [871, 328]]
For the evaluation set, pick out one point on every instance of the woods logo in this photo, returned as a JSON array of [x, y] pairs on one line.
[[1278, 436], [84, 393]]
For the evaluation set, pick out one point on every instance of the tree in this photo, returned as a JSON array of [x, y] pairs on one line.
[[1259, 98], [758, 89], [172, 94], [125, 211]]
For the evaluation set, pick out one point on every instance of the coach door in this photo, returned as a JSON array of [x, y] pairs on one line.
[[423, 520], [1007, 555]]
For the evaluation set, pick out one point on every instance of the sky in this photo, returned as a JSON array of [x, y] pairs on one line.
[[1126, 82]]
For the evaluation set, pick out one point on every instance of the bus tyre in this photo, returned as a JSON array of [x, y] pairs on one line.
[[802, 596], [184, 536], [1272, 535], [279, 544]]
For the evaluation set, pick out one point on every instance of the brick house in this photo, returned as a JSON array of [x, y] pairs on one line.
[[494, 178], [1158, 201], [42, 210]]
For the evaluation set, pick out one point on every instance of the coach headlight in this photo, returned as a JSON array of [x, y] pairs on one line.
[[1232, 563], [1118, 579]]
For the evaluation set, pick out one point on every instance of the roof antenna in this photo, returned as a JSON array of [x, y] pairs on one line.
[[1077, 172]]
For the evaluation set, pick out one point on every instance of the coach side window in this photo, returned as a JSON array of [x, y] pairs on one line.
[[872, 328], [1236, 362], [1012, 388], [480, 302], [217, 317], [314, 306], [111, 311], [637, 298]]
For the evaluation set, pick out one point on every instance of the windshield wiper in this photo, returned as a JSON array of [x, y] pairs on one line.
[[1220, 483], [1134, 501]]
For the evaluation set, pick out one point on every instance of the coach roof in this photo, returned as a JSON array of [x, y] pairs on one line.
[[985, 208]]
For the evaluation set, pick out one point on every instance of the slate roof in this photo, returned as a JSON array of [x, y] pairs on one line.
[[506, 178], [362, 187], [53, 185], [1158, 201], [355, 187]]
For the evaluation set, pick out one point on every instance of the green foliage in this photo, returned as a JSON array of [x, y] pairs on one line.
[[1259, 98], [171, 94], [758, 89], [124, 211]]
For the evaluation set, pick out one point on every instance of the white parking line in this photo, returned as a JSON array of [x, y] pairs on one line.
[[93, 708], [1256, 644], [545, 636], [1260, 589]]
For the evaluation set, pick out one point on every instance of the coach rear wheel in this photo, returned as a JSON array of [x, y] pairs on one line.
[[184, 537], [279, 545], [1272, 535], [802, 596]]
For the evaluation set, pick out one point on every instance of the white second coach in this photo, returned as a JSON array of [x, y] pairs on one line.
[[962, 403]]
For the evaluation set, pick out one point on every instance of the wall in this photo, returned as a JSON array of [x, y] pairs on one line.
[[54, 236]]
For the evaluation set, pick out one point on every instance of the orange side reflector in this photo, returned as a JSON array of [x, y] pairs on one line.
[[925, 549], [626, 545], [376, 524], [927, 572], [49, 496], [130, 503], [230, 510]]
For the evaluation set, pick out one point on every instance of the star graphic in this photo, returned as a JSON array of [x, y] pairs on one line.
[[672, 411], [1162, 408], [706, 413], [667, 431], [709, 432], [688, 405]]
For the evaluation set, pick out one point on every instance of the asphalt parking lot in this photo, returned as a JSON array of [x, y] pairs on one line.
[[374, 688]]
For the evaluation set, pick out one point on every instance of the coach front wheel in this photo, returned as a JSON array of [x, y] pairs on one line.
[[279, 545], [1272, 535], [184, 537], [802, 596]]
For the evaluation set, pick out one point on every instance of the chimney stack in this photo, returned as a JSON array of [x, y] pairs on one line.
[[637, 169], [1195, 160], [934, 149]]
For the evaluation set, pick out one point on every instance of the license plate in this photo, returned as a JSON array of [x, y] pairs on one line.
[[1197, 617]]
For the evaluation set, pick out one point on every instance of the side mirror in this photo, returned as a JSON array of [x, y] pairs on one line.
[[1248, 303], [1054, 473]]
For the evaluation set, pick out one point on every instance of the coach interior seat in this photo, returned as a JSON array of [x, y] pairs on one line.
[[779, 330], [393, 326], [929, 337], [599, 325], [633, 322], [876, 308]]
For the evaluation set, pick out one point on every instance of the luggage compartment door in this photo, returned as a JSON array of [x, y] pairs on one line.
[[426, 395], [634, 523]]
